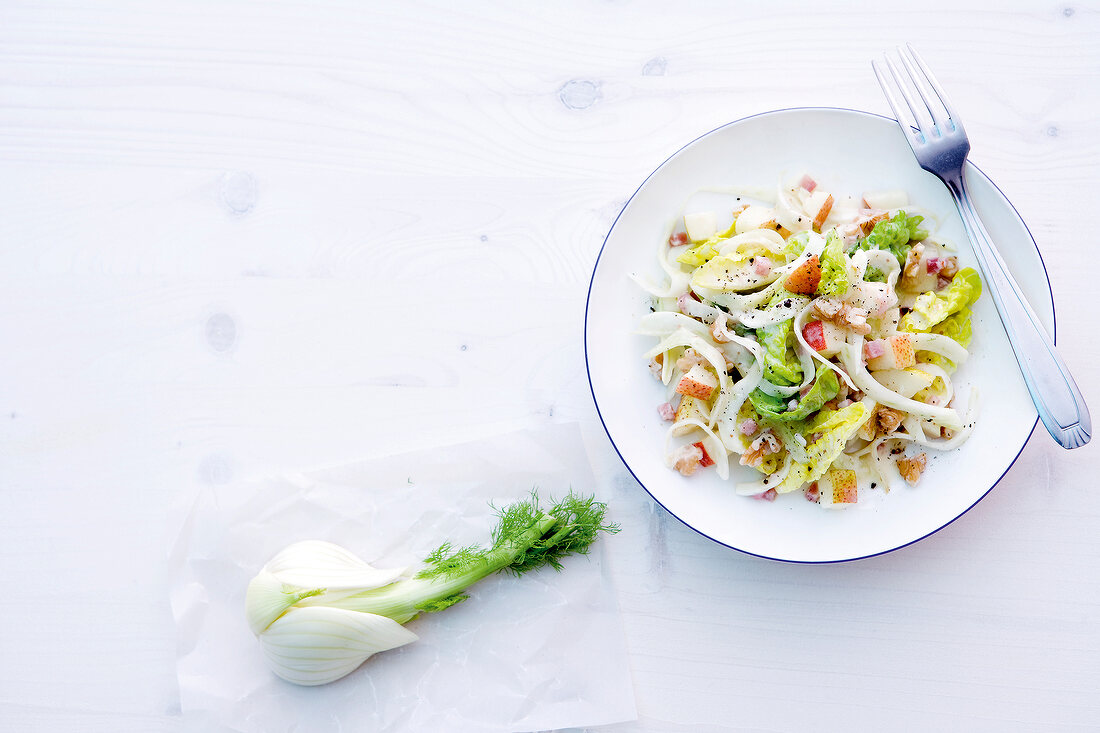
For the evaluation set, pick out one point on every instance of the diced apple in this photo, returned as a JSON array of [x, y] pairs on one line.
[[838, 488], [868, 218], [889, 321], [906, 382], [835, 338], [698, 382], [921, 281], [818, 205], [814, 335], [885, 199], [706, 460], [690, 408], [805, 278], [700, 225], [755, 217], [875, 298], [824, 337], [899, 354]]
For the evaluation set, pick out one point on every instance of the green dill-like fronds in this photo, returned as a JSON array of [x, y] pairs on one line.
[[525, 538], [444, 561], [578, 521], [582, 519], [516, 519]]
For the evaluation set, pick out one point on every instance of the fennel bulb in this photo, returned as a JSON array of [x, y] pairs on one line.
[[319, 611]]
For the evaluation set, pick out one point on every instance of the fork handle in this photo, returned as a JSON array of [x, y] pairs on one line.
[[1056, 396]]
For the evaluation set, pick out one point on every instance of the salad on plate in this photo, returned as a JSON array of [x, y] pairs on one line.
[[813, 338]]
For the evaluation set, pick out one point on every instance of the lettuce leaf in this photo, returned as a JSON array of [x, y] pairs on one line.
[[932, 308], [796, 245], [767, 405], [704, 252], [894, 235], [834, 268], [825, 387], [874, 275], [781, 364], [836, 427], [700, 254], [956, 326]]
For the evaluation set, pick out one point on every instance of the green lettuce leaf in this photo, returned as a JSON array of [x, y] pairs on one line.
[[834, 268], [796, 245], [781, 364], [836, 427], [705, 251], [932, 308], [894, 235], [956, 326], [825, 387], [767, 405]]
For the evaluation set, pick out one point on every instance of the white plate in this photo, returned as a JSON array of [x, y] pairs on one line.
[[848, 152]]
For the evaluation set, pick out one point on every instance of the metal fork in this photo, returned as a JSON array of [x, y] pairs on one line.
[[941, 146]]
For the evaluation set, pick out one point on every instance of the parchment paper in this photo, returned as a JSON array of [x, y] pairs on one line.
[[538, 652]]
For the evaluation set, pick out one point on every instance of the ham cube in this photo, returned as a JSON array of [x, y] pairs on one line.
[[808, 183], [874, 349], [762, 265], [698, 382], [899, 354]]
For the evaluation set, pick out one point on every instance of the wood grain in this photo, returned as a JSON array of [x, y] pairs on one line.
[[248, 237]]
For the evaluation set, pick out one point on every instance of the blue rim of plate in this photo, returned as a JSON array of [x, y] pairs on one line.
[[592, 389]]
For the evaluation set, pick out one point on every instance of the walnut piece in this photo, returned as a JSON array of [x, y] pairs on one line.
[[690, 358], [869, 429], [687, 458], [765, 445], [888, 419], [842, 314], [912, 468], [950, 267], [912, 261]]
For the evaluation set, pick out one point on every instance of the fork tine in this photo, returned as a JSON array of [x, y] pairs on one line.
[[938, 120], [894, 105], [931, 79], [905, 94]]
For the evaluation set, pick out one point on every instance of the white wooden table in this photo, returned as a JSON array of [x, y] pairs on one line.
[[250, 237]]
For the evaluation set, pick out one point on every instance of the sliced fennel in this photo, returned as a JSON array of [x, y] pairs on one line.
[[319, 611]]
